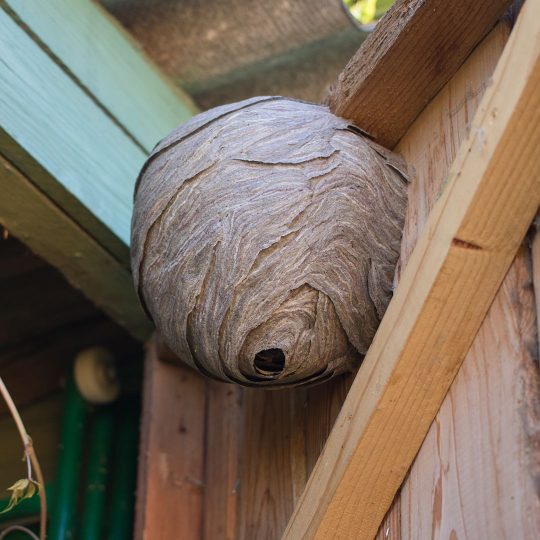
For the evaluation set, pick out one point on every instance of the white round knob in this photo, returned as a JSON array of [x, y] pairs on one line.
[[96, 376]]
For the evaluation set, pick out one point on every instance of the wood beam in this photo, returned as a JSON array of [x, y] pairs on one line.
[[101, 56], [170, 486], [33, 218], [490, 198], [413, 51], [80, 109]]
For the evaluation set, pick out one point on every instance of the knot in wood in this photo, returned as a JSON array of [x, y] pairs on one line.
[[265, 235]]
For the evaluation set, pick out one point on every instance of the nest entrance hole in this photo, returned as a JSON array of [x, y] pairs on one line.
[[269, 362]]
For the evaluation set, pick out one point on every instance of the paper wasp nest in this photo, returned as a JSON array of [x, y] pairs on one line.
[[264, 240]]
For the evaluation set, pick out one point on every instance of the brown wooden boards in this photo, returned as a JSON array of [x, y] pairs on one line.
[[222, 441], [272, 461], [412, 53], [430, 146], [477, 471], [489, 200], [170, 487], [472, 475]]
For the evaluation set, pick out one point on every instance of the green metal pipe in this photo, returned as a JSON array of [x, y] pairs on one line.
[[62, 524], [99, 456], [26, 508], [124, 471]]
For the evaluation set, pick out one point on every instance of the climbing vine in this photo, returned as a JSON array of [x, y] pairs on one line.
[[26, 487]]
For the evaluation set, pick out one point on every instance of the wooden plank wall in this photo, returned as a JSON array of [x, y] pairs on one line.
[[476, 474], [283, 431], [171, 455]]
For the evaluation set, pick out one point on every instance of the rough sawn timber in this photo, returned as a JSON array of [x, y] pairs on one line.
[[170, 486], [472, 235], [472, 477], [414, 50], [429, 147]]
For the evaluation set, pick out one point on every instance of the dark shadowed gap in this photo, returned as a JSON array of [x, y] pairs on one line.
[[269, 361]]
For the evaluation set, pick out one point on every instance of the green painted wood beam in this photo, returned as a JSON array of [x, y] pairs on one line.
[[91, 45], [80, 107], [59, 137], [48, 231]]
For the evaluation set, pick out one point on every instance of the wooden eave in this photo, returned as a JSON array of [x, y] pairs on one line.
[[81, 108]]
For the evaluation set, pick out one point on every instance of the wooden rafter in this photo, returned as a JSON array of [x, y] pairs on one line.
[[490, 198], [46, 230], [99, 54], [412, 53], [81, 107]]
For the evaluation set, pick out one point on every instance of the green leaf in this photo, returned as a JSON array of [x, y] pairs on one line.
[[21, 490], [368, 11]]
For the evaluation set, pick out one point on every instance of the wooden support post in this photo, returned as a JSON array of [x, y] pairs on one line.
[[412, 53], [222, 458], [491, 196], [170, 487]]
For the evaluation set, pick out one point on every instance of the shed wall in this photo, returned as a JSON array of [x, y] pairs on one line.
[[475, 475]]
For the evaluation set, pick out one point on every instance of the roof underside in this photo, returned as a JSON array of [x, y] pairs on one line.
[[227, 51]]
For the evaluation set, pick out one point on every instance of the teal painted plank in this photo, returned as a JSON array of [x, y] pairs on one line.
[[100, 55], [57, 135]]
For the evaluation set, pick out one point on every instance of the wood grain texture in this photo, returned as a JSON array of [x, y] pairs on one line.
[[472, 477], [95, 50], [390, 528], [430, 146], [324, 402], [30, 215], [414, 50], [222, 460], [476, 475], [170, 487], [272, 461], [471, 232], [264, 241], [433, 141]]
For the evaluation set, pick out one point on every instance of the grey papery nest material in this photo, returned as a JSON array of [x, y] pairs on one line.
[[265, 236]]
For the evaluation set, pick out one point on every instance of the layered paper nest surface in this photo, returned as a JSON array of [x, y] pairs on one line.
[[265, 235]]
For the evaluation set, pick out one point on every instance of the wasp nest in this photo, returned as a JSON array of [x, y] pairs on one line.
[[264, 240]]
